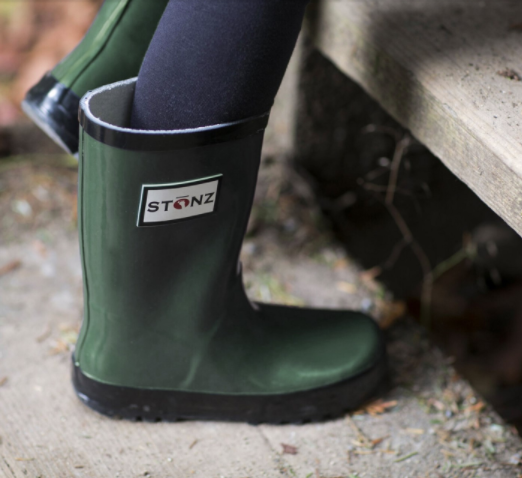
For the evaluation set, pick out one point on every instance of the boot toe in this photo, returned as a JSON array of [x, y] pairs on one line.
[[315, 348]]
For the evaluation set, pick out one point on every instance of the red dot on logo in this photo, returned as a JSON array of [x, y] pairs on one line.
[[181, 203]]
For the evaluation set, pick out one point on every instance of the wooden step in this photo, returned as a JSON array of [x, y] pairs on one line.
[[450, 72]]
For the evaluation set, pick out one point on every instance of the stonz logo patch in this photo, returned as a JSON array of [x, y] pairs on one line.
[[166, 203]]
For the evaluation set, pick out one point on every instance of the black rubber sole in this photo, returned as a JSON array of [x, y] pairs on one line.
[[164, 405], [54, 109]]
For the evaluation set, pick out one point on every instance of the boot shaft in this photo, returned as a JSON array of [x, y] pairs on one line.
[[113, 48], [162, 216]]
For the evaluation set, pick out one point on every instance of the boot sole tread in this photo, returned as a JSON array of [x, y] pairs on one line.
[[314, 405]]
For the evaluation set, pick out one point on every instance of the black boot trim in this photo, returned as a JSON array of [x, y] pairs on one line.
[[114, 102], [54, 108], [166, 405]]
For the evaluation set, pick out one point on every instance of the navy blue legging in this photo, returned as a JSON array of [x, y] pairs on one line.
[[215, 61]]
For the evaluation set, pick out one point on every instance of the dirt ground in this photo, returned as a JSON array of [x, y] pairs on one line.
[[430, 423]]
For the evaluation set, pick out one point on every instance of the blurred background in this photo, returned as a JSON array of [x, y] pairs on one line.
[[440, 256], [37, 181], [34, 36]]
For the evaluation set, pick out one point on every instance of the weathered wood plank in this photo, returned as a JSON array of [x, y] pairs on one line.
[[434, 66]]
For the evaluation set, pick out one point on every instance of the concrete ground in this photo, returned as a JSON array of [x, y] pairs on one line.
[[429, 424]]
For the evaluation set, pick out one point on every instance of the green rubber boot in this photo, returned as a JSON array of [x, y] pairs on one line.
[[168, 332], [112, 50]]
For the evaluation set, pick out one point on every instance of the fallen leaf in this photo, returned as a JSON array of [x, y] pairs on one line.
[[69, 333], [475, 408], [378, 407], [388, 451], [436, 404], [379, 440], [3, 381], [289, 449], [370, 274], [391, 312], [360, 443], [39, 247], [414, 431], [363, 452], [509, 73], [10, 266], [59, 348], [346, 287]]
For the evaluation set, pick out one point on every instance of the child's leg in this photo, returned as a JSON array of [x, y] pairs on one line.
[[215, 61]]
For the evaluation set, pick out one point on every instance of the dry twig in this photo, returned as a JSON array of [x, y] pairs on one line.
[[400, 149]]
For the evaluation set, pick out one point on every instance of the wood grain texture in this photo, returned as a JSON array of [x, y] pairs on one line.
[[434, 66]]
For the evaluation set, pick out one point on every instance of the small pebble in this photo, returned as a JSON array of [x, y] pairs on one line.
[[366, 304], [496, 428], [22, 207]]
